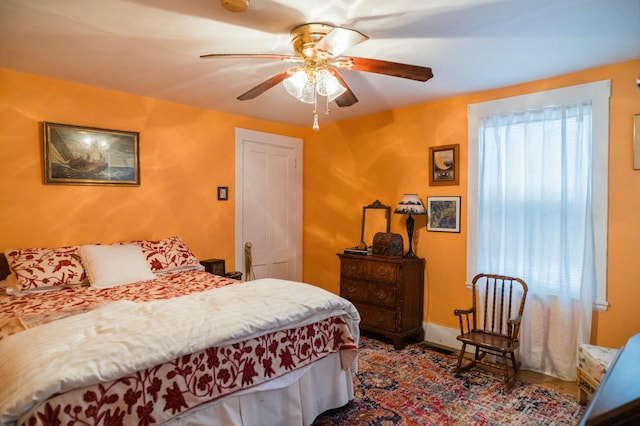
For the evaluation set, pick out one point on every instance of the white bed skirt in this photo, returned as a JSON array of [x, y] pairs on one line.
[[294, 399]]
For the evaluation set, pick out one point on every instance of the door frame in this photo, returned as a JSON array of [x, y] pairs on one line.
[[270, 139]]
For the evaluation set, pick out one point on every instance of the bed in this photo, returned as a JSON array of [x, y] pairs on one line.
[[137, 332]]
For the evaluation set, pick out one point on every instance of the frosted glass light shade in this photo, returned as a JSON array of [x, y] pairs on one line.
[[328, 85], [326, 82], [308, 94], [296, 83]]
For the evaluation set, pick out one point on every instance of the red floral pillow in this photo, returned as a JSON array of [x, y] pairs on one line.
[[37, 268], [169, 254]]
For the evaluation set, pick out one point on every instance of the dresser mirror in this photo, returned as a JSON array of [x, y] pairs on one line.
[[376, 217]]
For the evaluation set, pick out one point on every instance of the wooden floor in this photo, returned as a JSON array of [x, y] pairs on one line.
[[569, 387], [548, 382]]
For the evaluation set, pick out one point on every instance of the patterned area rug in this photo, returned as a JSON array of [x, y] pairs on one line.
[[416, 386]]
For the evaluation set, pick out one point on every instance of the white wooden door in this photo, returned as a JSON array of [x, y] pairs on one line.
[[268, 205]]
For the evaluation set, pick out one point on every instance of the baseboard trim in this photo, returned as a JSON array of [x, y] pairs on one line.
[[441, 336]]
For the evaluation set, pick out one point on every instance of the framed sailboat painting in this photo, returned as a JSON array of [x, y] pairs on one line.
[[77, 155]]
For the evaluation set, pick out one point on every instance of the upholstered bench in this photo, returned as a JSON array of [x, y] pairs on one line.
[[593, 363]]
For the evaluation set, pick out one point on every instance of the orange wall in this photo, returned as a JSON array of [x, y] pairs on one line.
[[348, 164], [185, 154]]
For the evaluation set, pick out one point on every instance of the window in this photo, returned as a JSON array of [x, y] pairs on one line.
[[577, 115], [538, 180]]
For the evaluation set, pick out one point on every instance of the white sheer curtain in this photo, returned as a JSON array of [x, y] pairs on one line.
[[535, 222]]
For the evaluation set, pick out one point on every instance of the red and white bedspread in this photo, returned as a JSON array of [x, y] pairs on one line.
[[139, 360]]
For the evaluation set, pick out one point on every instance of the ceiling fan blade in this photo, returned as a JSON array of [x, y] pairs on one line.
[[265, 85], [252, 56], [338, 40], [395, 69], [347, 98]]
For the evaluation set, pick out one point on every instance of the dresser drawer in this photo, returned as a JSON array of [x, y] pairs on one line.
[[352, 290], [369, 270], [353, 268], [377, 318], [368, 292], [382, 272]]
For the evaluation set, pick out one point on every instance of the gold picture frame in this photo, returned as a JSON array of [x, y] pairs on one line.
[[76, 155], [444, 165]]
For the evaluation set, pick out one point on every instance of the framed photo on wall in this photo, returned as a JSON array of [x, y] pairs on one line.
[[77, 155], [444, 165], [443, 214], [223, 193]]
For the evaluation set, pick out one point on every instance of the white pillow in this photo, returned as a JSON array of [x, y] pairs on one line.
[[112, 265]]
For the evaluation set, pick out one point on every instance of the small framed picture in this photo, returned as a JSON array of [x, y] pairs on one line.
[[444, 165], [76, 155], [223, 193], [443, 214]]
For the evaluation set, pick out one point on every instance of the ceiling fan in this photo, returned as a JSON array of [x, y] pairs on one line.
[[318, 49]]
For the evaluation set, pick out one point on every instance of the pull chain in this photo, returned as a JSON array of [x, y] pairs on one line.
[[316, 126]]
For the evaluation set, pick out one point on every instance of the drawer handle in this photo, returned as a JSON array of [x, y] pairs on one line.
[[379, 317], [351, 289], [381, 294], [351, 267], [382, 272]]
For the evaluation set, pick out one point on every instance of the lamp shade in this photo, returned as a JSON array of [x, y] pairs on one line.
[[410, 204]]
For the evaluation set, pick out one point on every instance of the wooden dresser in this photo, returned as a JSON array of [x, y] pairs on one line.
[[388, 292]]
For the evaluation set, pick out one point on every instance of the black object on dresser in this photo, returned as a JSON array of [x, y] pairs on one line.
[[388, 292]]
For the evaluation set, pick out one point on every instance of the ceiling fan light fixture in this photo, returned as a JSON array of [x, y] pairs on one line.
[[296, 83], [305, 84], [303, 88], [327, 84]]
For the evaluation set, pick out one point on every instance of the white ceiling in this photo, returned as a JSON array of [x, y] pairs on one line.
[[152, 47]]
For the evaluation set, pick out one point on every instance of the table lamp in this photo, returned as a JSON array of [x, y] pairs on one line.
[[410, 204]]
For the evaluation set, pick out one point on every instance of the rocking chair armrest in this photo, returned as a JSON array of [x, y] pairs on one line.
[[514, 327], [458, 312], [466, 318], [515, 321]]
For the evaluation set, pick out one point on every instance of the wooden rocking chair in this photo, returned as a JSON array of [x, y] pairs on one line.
[[492, 323]]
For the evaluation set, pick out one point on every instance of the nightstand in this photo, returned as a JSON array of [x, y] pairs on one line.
[[216, 266], [236, 275]]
